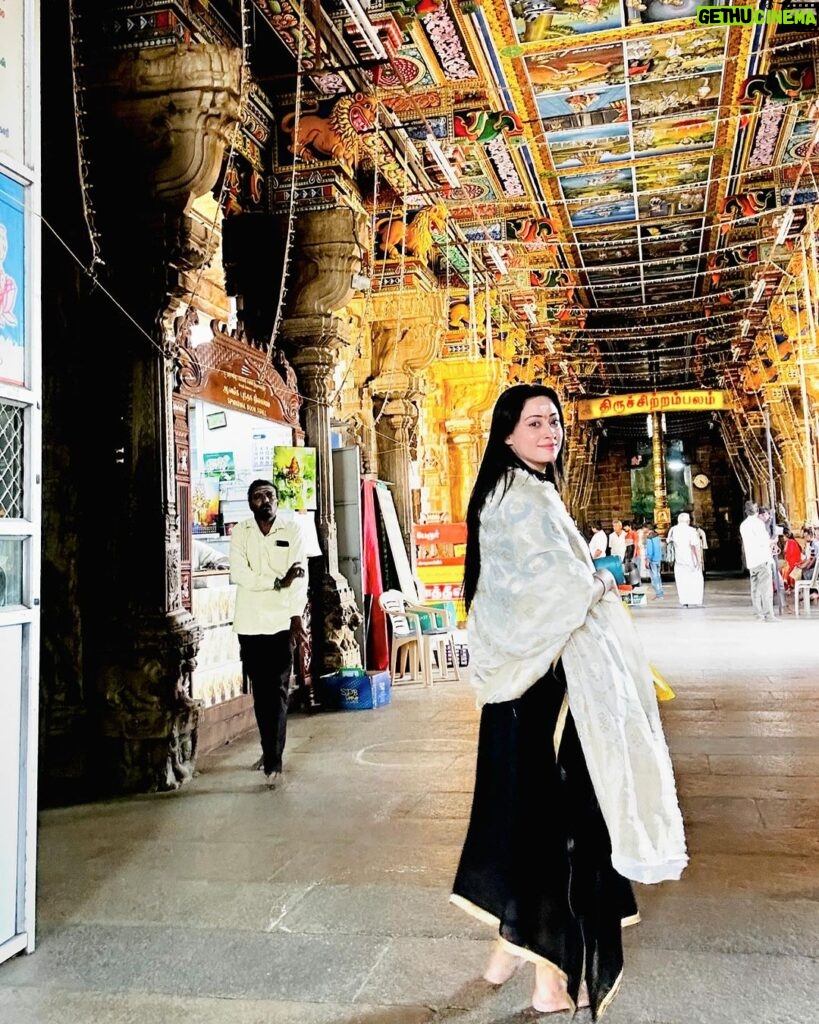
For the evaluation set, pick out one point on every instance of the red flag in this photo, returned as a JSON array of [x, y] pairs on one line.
[[378, 652]]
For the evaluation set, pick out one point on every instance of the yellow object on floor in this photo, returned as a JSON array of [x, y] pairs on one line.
[[664, 691]]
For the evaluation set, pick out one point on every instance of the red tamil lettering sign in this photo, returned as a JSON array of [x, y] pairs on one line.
[[440, 533], [440, 549]]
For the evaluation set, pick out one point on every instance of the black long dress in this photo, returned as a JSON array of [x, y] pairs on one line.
[[537, 855]]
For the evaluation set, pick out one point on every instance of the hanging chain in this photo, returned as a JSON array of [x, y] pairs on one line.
[[89, 213], [291, 206]]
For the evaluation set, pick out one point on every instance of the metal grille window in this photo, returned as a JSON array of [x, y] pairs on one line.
[[11, 461]]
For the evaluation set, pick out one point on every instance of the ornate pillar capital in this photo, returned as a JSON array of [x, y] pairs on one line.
[[401, 410], [406, 340], [460, 431], [181, 104], [329, 245], [316, 339]]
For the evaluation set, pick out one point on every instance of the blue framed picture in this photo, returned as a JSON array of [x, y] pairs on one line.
[[12, 282]]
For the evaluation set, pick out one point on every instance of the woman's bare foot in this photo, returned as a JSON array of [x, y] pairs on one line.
[[550, 993], [502, 965]]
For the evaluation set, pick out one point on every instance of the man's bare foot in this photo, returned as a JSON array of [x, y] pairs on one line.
[[502, 965]]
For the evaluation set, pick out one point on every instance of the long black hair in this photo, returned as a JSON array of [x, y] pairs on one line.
[[497, 464]]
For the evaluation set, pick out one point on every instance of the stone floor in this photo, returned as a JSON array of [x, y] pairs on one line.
[[325, 902]]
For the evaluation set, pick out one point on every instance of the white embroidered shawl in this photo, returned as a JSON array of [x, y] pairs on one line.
[[536, 602]]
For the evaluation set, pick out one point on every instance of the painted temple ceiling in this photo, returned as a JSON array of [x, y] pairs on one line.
[[612, 217]]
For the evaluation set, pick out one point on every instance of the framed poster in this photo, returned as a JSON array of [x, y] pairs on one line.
[[294, 474], [220, 465], [215, 420], [12, 282], [205, 504]]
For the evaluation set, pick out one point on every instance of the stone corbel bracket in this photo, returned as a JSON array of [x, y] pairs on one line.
[[182, 104], [401, 351], [329, 247]]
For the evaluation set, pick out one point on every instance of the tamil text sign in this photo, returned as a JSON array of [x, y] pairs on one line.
[[652, 401]]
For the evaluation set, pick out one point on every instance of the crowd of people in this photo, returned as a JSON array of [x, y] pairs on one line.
[[642, 552], [774, 557]]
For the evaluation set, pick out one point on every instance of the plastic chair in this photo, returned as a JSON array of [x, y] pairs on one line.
[[406, 644], [438, 640], [804, 587], [433, 641]]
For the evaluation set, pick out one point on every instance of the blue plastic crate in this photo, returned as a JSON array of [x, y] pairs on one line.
[[353, 689]]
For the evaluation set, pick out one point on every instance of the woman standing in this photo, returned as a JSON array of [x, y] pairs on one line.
[[574, 790], [687, 561]]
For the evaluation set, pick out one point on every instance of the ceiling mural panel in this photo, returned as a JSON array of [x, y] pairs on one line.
[[616, 178]]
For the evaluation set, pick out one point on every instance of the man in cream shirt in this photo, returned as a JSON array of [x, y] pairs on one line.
[[618, 539], [756, 545], [267, 565]]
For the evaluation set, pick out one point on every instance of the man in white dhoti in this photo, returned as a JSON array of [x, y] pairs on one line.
[[687, 561]]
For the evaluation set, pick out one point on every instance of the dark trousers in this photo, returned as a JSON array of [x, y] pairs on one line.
[[267, 659]]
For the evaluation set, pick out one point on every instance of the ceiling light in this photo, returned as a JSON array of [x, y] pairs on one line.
[[365, 27], [530, 312], [444, 166], [746, 326], [549, 342], [784, 226], [759, 290], [493, 252]]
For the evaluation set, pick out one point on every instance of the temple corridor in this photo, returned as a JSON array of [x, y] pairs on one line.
[[325, 902]]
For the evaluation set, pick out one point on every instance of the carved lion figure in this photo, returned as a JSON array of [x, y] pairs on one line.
[[333, 137], [415, 237], [459, 316]]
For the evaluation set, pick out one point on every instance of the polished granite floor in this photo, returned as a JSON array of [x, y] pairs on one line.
[[325, 902]]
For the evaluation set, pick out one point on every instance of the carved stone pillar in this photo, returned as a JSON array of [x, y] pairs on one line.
[[314, 365], [463, 466], [662, 513], [336, 615], [163, 118], [364, 433], [328, 259], [405, 343], [397, 423]]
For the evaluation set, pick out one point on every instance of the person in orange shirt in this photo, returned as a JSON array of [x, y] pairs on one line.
[[633, 555], [793, 556]]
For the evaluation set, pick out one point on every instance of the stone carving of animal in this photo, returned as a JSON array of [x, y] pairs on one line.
[[415, 237], [334, 137], [459, 317]]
